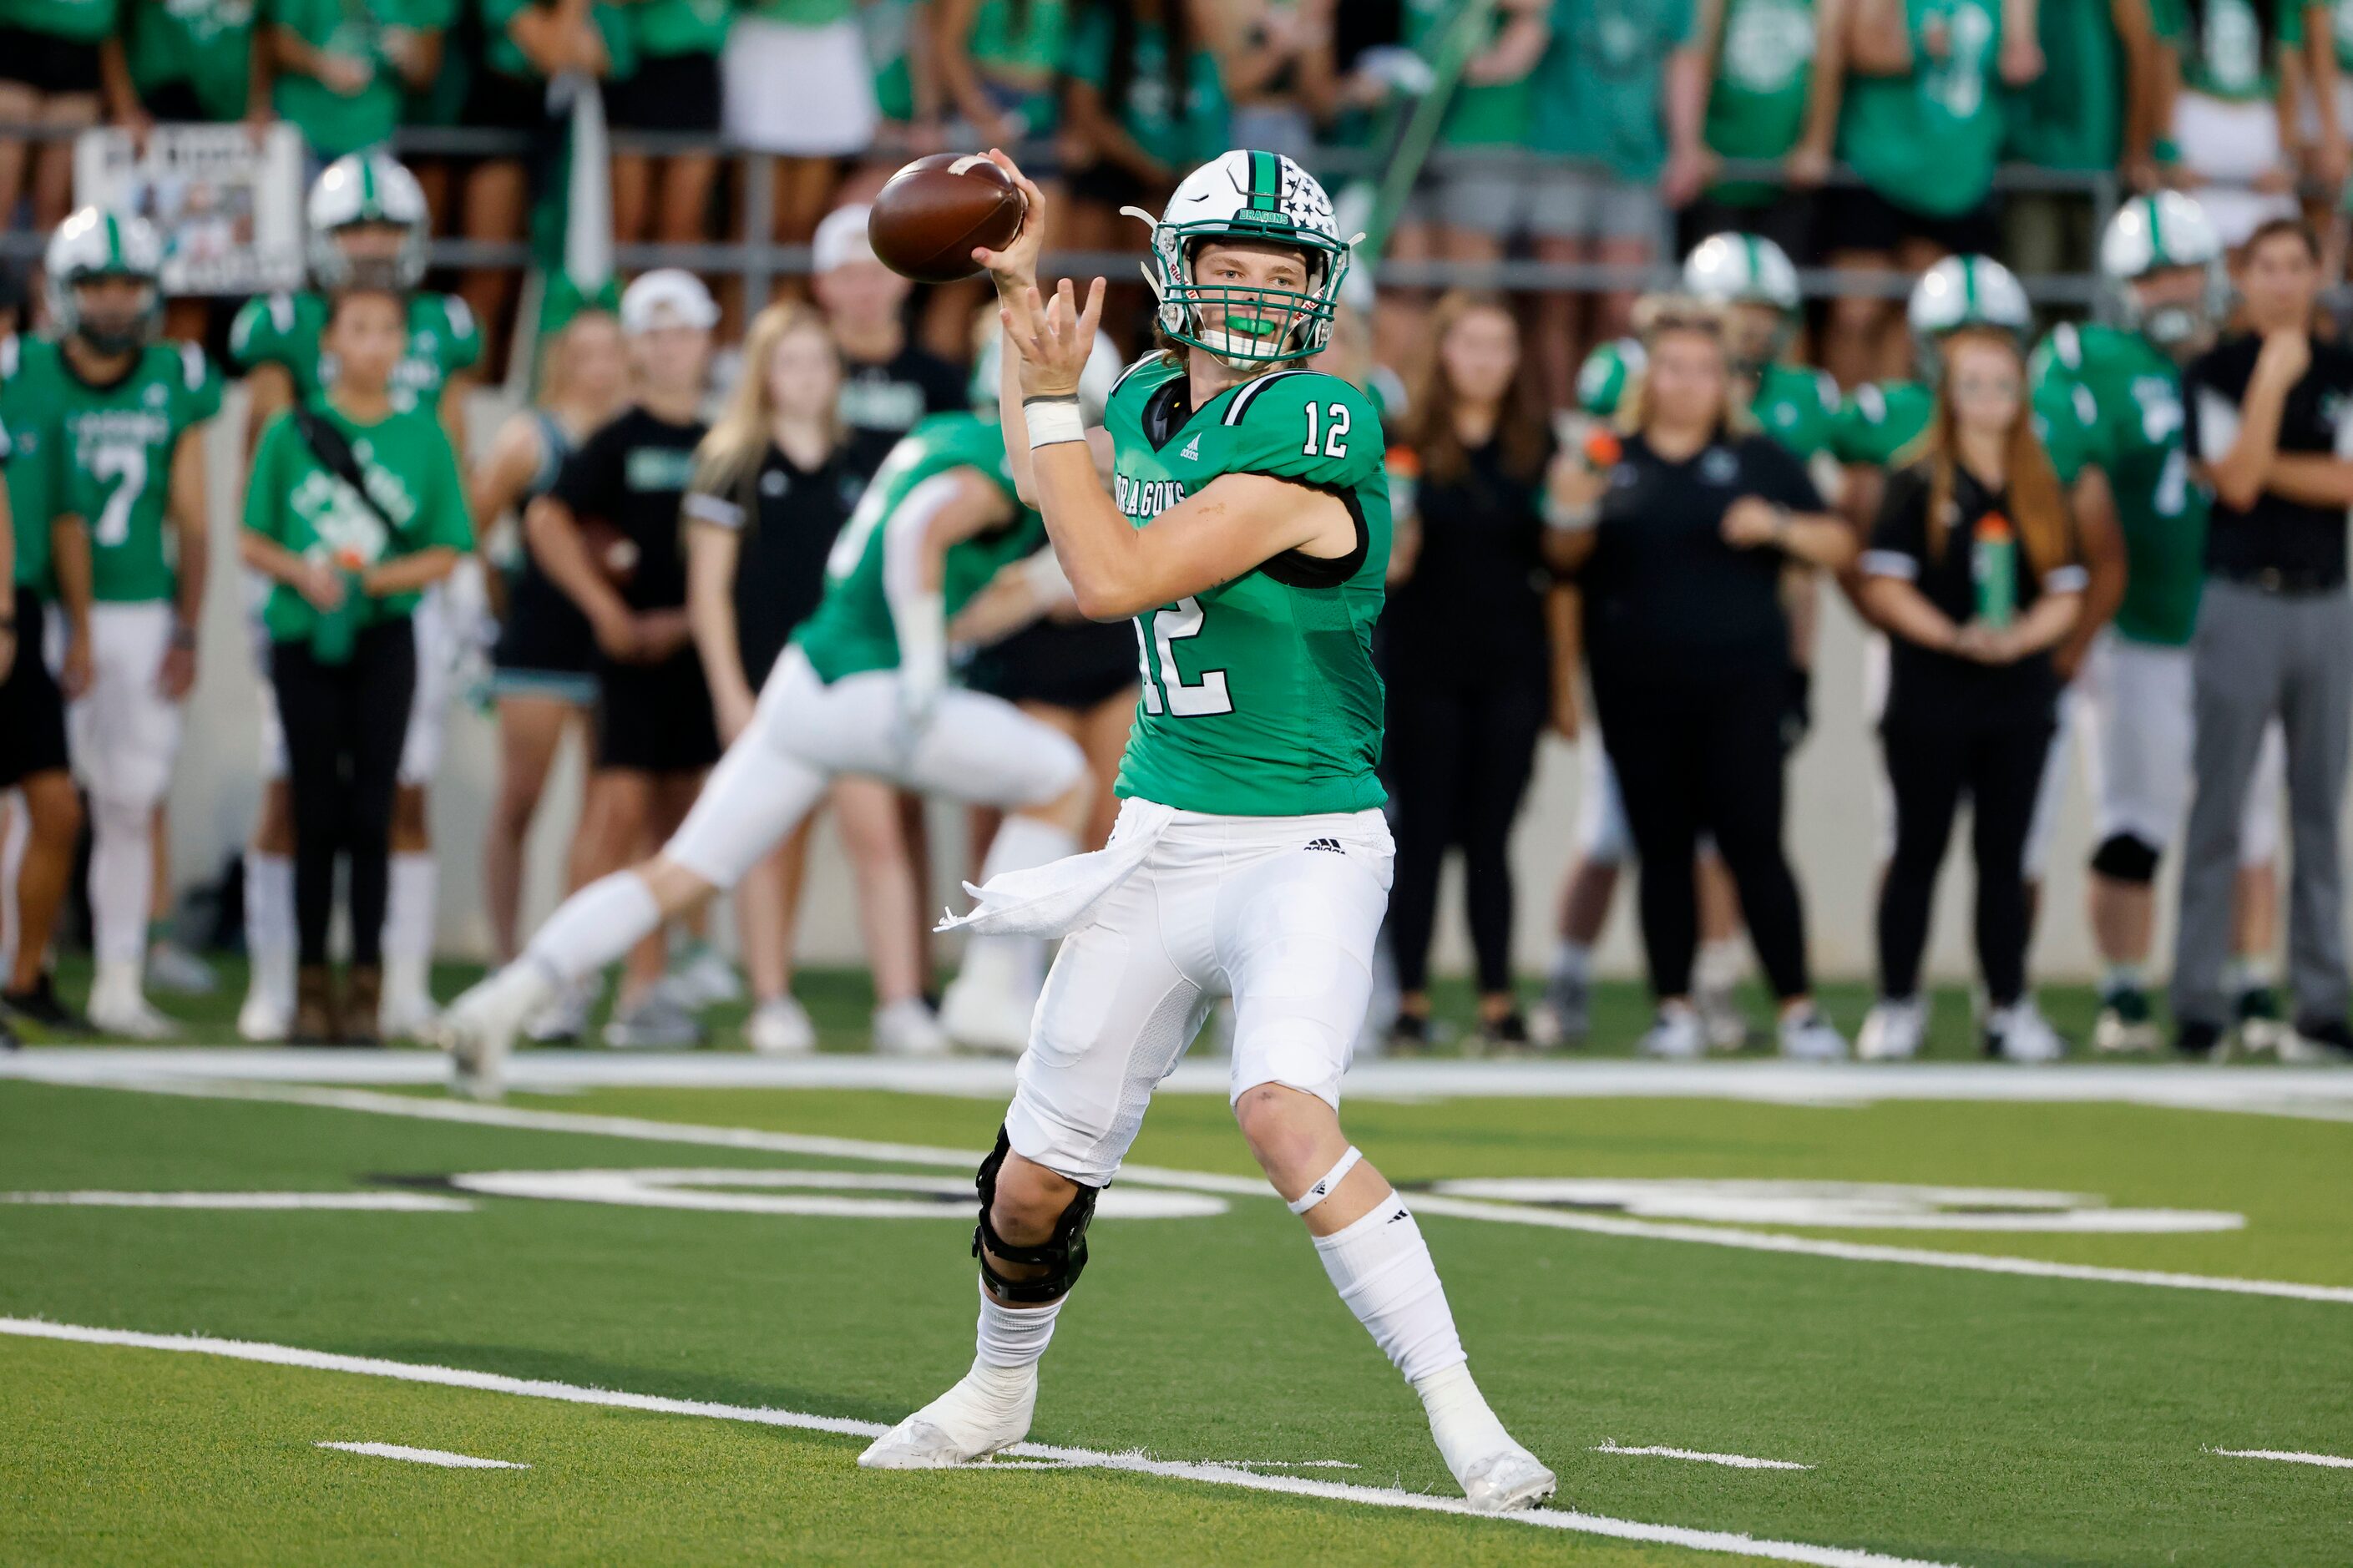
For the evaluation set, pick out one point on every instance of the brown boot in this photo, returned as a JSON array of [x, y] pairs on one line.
[[314, 1006], [363, 996]]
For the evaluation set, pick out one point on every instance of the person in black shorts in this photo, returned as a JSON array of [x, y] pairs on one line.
[[608, 532], [673, 88], [542, 671], [46, 78]]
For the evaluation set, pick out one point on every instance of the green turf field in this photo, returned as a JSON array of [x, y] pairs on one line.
[[1947, 1415]]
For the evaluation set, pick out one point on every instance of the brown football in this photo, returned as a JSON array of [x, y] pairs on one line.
[[926, 221]]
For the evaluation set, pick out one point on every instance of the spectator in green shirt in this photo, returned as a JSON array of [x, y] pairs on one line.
[[186, 62], [1474, 195], [1620, 100], [1143, 107], [999, 60], [672, 87], [2093, 110], [1777, 72], [343, 67], [1921, 124], [1263, 48], [2240, 66], [48, 76]]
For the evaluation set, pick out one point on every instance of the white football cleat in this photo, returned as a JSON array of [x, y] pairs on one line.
[[479, 1026], [1893, 1030], [129, 1014], [263, 1019], [984, 1017], [780, 1029], [962, 1426], [906, 1028], [1507, 1481], [565, 1020]]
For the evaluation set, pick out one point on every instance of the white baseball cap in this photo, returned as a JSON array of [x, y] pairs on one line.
[[666, 292], [841, 239]]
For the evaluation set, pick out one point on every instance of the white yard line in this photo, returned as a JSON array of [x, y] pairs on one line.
[[1730, 1461], [2326, 1461], [384, 1203], [2315, 1092], [1134, 1463], [645, 1130], [441, 1456]]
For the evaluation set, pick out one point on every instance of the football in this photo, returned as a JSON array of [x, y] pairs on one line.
[[926, 221]]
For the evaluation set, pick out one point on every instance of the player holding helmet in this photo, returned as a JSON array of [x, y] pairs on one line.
[[1247, 531]]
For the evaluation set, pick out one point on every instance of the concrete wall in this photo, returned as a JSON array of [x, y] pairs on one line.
[[1834, 819]]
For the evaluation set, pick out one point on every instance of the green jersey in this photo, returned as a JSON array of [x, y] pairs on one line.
[[411, 472], [1764, 73], [1179, 129], [850, 631], [110, 464], [2071, 116], [1260, 697], [660, 28], [331, 122], [1928, 139], [23, 404], [1597, 86], [1796, 406], [1882, 423], [503, 57], [83, 21], [207, 44], [2228, 57], [1480, 114], [2124, 398], [285, 329], [1018, 49]]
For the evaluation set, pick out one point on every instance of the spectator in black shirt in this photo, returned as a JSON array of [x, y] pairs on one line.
[[1469, 660], [1973, 571], [1685, 530], [773, 487], [2270, 415], [890, 383], [608, 532]]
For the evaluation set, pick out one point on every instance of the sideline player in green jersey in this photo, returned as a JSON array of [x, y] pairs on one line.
[[862, 688], [1753, 280], [2120, 384], [366, 224], [124, 417], [1246, 531]]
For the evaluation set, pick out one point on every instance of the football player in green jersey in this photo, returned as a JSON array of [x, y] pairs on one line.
[[2120, 385], [125, 417], [862, 688], [1246, 531], [366, 223]]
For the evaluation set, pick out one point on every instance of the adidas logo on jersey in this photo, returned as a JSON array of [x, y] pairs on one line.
[[1331, 844], [1192, 452]]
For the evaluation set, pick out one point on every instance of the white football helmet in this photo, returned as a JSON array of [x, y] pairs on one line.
[[1733, 268], [92, 244], [1256, 197], [2154, 234], [366, 189], [1965, 291]]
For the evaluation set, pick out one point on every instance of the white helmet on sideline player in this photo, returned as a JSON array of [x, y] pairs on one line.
[[367, 190], [1966, 291], [1262, 198], [1733, 268], [2157, 234], [92, 244]]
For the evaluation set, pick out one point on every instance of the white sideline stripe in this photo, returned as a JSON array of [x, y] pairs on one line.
[[1730, 1461], [2317, 1092], [390, 1202], [2328, 1461], [1134, 1462], [645, 1130], [441, 1456]]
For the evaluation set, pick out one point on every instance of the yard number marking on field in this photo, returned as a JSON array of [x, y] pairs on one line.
[[2326, 1461], [1134, 1462], [1730, 1461], [441, 1456]]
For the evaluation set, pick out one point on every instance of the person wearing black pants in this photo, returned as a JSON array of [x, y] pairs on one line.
[[1682, 530], [1468, 659], [1972, 571], [354, 506]]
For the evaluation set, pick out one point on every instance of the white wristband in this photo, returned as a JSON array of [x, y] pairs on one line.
[[1052, 421]]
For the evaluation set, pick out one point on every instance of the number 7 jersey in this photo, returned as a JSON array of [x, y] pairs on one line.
[[1260, 697]]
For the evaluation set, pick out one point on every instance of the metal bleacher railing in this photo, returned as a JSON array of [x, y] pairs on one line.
[[756, 263]]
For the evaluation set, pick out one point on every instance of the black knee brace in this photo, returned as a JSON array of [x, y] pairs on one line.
[[2126, 858], [1062, 1256]]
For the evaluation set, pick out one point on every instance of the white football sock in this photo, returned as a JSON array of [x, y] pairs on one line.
[[595, 926], [1467, 1430], [121, 879], [1010, 1341], [1572, 961], [1018, 963], [1382, 1268], [114, 980], [408, 929], [270, 925]]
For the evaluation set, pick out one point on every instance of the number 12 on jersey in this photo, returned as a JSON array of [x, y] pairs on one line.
[[1170, 692]]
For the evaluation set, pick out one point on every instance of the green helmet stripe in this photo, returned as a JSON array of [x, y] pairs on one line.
[[367, 185], [2156, 229], [1970, 288], [1754, 256], [114, 243]]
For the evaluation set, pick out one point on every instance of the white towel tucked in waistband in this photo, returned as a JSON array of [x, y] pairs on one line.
[[1055, 899]]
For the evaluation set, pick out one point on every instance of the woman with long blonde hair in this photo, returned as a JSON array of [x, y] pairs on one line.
[[774, 482], [1973, 570]]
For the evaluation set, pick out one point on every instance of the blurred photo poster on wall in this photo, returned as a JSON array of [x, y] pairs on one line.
[[227, 201]]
